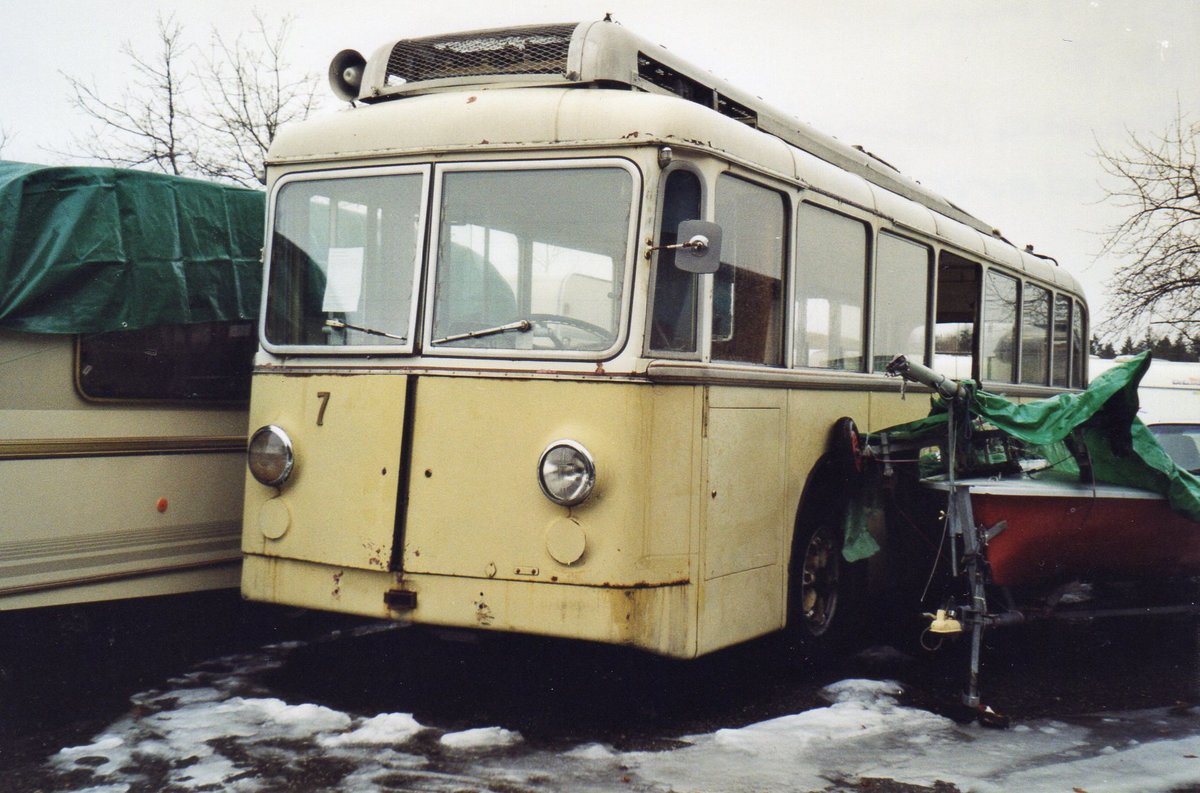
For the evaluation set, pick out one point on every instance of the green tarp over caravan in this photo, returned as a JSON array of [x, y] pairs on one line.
[[88, 250], [1102, 421]]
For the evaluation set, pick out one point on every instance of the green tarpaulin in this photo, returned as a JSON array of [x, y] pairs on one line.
[[1102, 422], [88, 250]]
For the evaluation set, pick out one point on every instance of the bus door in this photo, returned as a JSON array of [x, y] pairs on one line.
[[746, 429]]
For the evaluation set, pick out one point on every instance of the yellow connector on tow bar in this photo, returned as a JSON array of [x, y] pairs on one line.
[[944, 622]]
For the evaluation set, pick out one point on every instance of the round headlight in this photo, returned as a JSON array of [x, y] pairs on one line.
[[269, 455], [566, 473]]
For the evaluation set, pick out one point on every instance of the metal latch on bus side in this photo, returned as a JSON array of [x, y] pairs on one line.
[[400, 599]]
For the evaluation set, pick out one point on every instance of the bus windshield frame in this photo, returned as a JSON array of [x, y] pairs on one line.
[[521, 260]]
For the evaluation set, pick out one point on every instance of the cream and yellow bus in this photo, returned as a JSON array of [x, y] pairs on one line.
[[556, 327], [127, 307]]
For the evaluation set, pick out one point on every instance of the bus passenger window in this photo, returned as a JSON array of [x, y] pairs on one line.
[[954, 323], [998, 356], [831, 284], [901, 304], [1062, 341], [673, 322], [1035, 335], [747, 323]]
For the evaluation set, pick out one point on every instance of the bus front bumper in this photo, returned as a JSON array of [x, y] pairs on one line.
[[659, 618]]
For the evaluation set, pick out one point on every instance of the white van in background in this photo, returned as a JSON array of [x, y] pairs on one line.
[[1169, 396]]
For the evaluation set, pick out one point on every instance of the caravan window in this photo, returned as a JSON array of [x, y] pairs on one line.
[[208, 361]]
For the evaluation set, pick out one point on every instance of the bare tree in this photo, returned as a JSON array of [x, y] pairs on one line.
[[150, 124], [1156, 180], [192, 114], [250, 97], [5, 138]]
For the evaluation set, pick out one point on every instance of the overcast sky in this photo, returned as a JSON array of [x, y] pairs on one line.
[[997, 104]]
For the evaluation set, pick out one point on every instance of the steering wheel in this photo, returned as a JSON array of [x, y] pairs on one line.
[[545, 320]]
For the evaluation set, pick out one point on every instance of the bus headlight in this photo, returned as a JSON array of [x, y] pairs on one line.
[[566, 473], [269, 455]]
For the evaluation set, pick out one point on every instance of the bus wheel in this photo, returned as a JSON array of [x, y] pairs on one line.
[[819, 584]]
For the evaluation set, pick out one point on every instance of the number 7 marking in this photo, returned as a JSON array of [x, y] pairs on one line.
[[324, 397]]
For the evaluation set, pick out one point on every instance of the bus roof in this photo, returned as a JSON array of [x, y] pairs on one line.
[[604, 53], [539, 118]]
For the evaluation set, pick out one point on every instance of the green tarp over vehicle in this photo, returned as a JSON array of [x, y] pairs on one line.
[[89, 250], [1101, 423]]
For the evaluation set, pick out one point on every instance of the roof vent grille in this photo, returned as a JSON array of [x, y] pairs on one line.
[[675, 82], [528, 50], [670, 80]]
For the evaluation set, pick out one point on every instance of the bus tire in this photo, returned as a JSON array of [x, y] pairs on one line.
[[825, 591], [845, 449]]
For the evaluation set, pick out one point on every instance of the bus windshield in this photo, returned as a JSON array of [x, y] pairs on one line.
[[531, 259], [344, 261], [528, 260]]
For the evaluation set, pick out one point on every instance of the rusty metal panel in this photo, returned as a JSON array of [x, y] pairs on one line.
[[339, 505]]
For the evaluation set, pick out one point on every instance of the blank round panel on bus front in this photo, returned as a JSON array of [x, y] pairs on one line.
[[274, 518], [699, 249], [565, 541]]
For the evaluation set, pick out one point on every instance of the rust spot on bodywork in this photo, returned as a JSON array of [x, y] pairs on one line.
[[483, 613], [645, 584], [376, 555], [337, 584]]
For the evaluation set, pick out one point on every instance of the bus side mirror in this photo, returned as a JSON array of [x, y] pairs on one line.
[[699, 247]]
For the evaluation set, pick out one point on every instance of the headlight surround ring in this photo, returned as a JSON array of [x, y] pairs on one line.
[[566, 473], [270, 456]]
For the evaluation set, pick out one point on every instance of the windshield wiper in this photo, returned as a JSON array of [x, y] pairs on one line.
[[520, 326], [337, 323]]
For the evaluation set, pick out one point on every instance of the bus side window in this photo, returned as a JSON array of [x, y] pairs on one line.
[[1035, 335], [900, 307], [1061, 341], [1000, 315], [747, 322], [831, 287], [957, 308], [673, 322]]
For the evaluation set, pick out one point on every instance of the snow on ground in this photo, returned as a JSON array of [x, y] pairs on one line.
[[213, 729]]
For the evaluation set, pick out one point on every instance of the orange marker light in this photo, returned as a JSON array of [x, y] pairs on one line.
[[161, 506]]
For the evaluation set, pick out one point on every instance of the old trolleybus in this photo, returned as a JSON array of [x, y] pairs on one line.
[[492, 395]]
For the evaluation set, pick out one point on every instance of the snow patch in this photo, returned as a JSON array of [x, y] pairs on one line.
[[386, 729], [209, 734], [480, 738]]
